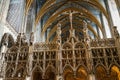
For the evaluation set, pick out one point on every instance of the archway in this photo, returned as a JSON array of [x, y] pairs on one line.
[[68, 73], [50, 74], [81, 74], [37, 75], [115, 72], [101, 74]]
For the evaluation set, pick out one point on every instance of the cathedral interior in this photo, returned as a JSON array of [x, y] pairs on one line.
[[59, 39]]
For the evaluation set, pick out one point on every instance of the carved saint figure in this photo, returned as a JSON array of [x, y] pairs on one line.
[[31, 38], [116, 34]]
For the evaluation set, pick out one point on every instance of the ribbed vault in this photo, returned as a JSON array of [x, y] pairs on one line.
[[54, 12]]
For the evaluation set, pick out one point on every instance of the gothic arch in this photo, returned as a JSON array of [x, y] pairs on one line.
[[36, 73], [116, 70], [114, 64], [79, 45], [68, 73], [81, 73], [100, 65], [82, 65], [67, 66], [53, 17], [102, 74], [37, 68], [50, 73], [67, 45]]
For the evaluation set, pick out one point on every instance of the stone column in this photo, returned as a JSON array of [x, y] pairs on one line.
[[102, 21], [25, 23], [59, 55], [88, 52], [118, 5], [24, 18], [48, 30], [31, 47], [4, 9], [2, 54], [1, 3], [4, 48], [109, 15]]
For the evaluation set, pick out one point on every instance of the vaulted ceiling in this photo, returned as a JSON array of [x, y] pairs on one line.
[[58, 11]]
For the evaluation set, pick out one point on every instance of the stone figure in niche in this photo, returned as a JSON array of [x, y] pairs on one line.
[[18, 39], [5, 39], [59, 33], [86, 36], [23, 39], [116, 33], [31, 38]]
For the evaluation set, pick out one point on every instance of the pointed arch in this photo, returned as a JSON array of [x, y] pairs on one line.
[[114, 65], [67, 45], [115, 69], [50, 73], [68, 72], [101, 73], [47, 6], [36, 73], [79, 45], [36, 67], [88, 14], [81, 73]]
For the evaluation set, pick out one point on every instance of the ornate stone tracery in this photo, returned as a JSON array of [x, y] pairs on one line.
[[70, 53], [43, 58]]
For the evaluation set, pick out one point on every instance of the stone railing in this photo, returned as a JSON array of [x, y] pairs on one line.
[[45, 46], [103, 42]]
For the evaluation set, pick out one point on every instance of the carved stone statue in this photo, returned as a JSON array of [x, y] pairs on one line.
[[116, 34], [59, 33], [18, 39], [86, 35], [23, 38], [72, 33], [31, 38], [5, 39]]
